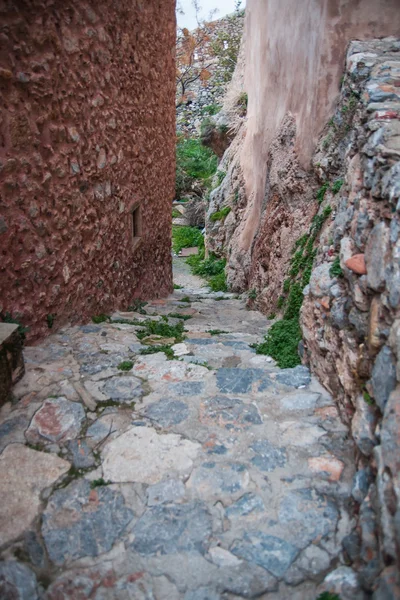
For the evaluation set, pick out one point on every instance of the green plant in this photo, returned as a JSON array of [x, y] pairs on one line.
[[98, 483], [271, 316], [125, 365], [281, 343], [253, 294], [336, 186], [368, 399], [178, 287], [169, 353], [8, 318], [138, 306], [243, 100], [211, 268], [194, 162], [216, 331], [180, 316], [185, 299], [186, 237], [281, 302], [220, 214], [286, 285], [220, 176], [328, 596], [162, 329], [100, 319], [50, 320], [176, 214], [336, 270], [322, 191], [211, 109]]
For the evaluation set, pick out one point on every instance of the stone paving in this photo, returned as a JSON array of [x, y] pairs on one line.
[[214, 475]]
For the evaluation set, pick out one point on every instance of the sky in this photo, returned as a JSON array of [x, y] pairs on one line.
[[188, 20]]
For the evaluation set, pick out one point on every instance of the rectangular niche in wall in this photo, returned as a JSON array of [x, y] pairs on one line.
[[136, 224]]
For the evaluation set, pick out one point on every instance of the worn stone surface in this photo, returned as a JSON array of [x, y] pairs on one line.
[[81, 521], [17, 582], [24, 474], [190, 481]]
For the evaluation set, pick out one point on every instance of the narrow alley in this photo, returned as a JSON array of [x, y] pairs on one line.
[[201, 472]]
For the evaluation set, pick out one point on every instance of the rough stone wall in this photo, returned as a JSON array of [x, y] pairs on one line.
[[87, 131], [351, 321], [295, 53]]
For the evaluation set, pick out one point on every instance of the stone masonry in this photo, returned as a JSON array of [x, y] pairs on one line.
[[87, 132], [211, 476]]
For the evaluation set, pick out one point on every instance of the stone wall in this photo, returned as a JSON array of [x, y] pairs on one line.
[[351, 310], [87, 133], [295, 54]]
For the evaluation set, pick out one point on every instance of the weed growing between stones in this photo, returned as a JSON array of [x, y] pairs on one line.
[[368, 399], [100, 319], [169, 353], [163, 329], [282, 339], [186, 237], [138, 306], [216, 331], [253, 294], [185, 299], [272, 316], [179, 316], [176, 214], [328, 596], [50, 320], [211, 268], [134, 322], [98, 483], [178, 287], [336, 270], [125, 365], [220, 215], [321, 192]]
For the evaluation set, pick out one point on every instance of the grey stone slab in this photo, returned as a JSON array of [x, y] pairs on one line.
[[167, 412], [213, 481], [13, 430], [80, 521], [124, 389], [299, 402], [82, 455], [17, 582], [170, 490], [294, 377], [383, 377], [268, 457], [307, 515], [203, 593], [247, 504], [34, 548], [241, 381], [170, 529], [57, 420], [270, 552], [186, 388], [231, 411]]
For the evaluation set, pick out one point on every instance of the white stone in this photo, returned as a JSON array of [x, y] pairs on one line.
[[180, 349], [142, 455], [24, 474], [223, 558]]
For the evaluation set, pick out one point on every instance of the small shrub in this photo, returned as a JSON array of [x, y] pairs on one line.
[[194, 162], [211, 268], [271, 316], [125, 365], [100, 319], [368, 399], [253, 294], [176, 214], [336, 270], [169, 353], [211, 109], [321, 192], [281, 343], [281, 302], [218, 283], [50, 320], [220, 176], [186, 237], [220, 214], [336, 186]]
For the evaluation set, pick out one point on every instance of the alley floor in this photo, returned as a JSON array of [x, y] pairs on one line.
[[203, 475]]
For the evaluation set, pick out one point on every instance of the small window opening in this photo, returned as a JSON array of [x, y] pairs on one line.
[[136, 224]]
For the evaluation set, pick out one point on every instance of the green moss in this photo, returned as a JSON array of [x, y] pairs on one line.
[[185, 299], [98, 483], [162, 329], [50, 320], [322, 191], [169, 353], [186, 237], [220, 214], [328, 596], [336, 270], [125, 365], [281, 343], [100, 319], [368, 399], [253, 294], [179, 316], [178, 287], [176, 214]]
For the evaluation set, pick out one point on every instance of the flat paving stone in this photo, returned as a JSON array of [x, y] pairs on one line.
[[173, 528], [241, 381], [170, 490], [167, 412], [247, 504], [225, 411], [269, 552], [58, 420], [212, 481], [268, 457], [186, 388], [17, 581], [82, 455], [81, 521]]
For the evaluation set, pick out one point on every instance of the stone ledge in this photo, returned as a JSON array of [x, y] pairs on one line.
[[12, 365]]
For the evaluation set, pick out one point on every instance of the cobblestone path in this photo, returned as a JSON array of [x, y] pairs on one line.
[[214, 475]]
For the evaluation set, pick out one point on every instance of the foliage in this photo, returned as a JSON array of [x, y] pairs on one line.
[[220, 176], [186, 237], [211, 109], [281, 343], [138, 306], [194, 162], [336, 270], [220, 214], [125, 365], [328, 596], [368, 399], [100, 318], [186, 299], [271, 317], [216, 331], [322, 191], [162, 329], [8, 318], [179, 316], [211, 268], [176, 214], [169, 353], [178, 287], [336, 186], [226, 48], [98, 483], [50, 320], [253, 294]]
